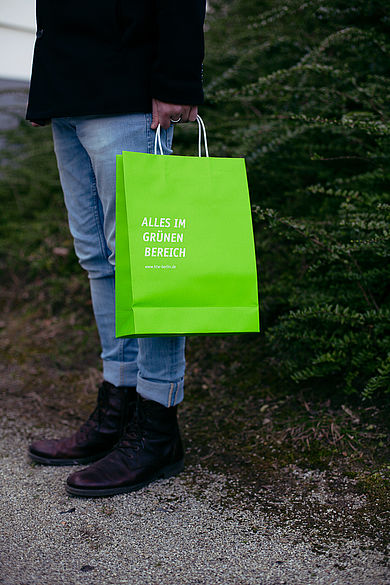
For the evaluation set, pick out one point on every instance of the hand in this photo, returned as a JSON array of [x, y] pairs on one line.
[[163, 112], [35, 124]]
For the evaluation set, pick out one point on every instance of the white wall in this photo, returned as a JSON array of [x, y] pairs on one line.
[[17, 36]]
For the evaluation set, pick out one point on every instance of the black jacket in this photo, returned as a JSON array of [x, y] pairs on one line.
[[113, 56]]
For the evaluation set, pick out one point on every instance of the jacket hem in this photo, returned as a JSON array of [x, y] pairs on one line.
[[49, 114]]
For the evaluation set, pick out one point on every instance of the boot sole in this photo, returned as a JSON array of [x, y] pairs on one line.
[[63, 462], [164, 473]]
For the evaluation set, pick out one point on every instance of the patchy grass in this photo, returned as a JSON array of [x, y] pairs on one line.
[[239, 399], [237, 417]]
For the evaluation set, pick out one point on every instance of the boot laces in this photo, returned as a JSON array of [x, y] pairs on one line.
[[132, 439]]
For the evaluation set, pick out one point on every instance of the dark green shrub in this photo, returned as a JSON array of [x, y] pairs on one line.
[[301, 90]]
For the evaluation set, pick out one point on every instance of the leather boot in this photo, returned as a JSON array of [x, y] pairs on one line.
[[150, 449], [97, 436]]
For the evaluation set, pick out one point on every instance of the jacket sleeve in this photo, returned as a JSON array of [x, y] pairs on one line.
[[177, 70]]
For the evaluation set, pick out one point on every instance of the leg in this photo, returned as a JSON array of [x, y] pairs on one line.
[[89, 218], [116, 400], [151, 447], [160, 363]]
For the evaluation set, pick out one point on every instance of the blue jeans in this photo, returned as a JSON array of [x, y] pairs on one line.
[[85, 147]]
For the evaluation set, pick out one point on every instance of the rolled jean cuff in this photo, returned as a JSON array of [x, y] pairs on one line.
[[120, 373], [166, 393]]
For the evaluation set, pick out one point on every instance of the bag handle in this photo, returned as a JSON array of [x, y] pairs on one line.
[[201, 127]]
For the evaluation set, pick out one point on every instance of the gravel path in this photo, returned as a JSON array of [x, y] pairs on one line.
[[198, 528]]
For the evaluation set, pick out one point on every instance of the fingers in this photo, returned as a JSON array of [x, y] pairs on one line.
[[185, 113], [164, 113], [193, 114], [165, 116]]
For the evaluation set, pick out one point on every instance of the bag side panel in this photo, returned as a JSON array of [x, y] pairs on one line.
[[124, 317]]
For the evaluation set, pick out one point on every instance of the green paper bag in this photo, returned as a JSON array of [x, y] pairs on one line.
[[185, 258]]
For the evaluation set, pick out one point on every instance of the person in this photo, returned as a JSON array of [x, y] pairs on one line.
[[106, 74]]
